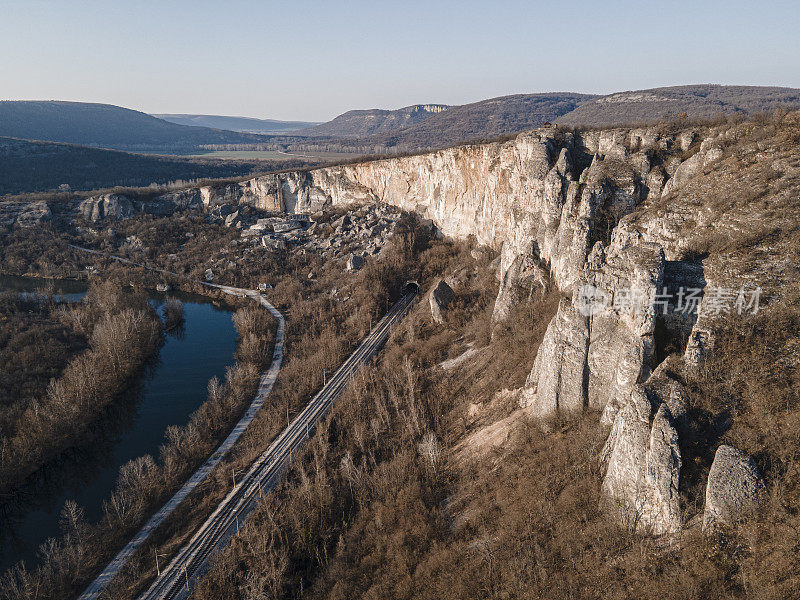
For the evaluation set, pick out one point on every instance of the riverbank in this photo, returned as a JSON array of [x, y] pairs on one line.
[[169, 387], [144, 483]]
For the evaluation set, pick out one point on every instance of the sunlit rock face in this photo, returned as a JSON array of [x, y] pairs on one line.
[[555, 204], [642, 461]]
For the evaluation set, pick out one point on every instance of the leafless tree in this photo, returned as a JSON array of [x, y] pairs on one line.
[[430, 450]]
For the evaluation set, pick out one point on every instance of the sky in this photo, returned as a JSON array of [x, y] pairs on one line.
[[304, 60]]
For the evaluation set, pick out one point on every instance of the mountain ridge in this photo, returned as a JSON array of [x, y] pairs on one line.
[[378, 131], [235, 123]]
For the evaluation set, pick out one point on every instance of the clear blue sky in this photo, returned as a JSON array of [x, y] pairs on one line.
[[312, 60]]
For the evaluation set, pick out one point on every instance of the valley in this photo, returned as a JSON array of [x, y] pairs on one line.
[[399, 301], [524, 410]]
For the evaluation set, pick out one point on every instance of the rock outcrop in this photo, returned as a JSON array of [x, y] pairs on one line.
[[107, 206], [441, 297], [734, 485], [709, 152], [642, 461], [558, 380], [33, 214]]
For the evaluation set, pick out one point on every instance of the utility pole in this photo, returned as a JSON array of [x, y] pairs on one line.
[[158, 570]]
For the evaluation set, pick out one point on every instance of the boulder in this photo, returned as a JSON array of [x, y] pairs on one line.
[[686, 139], [208, 275], [273, 243], [734, 484], [284, 226], [231, 218], [441, 297], [354, 262]]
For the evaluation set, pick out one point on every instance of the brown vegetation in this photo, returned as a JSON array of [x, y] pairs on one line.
[[34, 348], [122, 331], [378, 507]]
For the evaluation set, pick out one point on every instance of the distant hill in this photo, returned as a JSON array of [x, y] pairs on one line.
[[512, 114], [697, 101], [107, 126], [444, 126], [27, 166], [377, 131], [484, 119], [362, 123], [240, 124]]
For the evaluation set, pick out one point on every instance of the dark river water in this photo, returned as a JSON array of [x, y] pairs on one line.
[[170, 388]]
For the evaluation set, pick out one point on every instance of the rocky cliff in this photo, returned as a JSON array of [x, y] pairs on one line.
[[624, 222], [604, 213]]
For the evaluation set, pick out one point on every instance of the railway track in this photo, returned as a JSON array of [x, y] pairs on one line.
[[191, 562]]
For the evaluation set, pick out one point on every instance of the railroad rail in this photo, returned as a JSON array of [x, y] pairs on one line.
[[191, 562]]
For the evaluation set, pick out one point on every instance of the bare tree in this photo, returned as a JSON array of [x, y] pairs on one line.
[[71, 519], [173, 313], [430, 450]]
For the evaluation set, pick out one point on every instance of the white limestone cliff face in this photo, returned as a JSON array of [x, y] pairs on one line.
[[557, 381]]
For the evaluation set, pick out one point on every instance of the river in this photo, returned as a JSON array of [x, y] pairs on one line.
[[170, 388]]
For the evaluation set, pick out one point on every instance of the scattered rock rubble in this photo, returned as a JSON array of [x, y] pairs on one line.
[[356, 234]]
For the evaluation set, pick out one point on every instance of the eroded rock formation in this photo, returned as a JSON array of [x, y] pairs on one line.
[[642, 461], [107, 206]]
